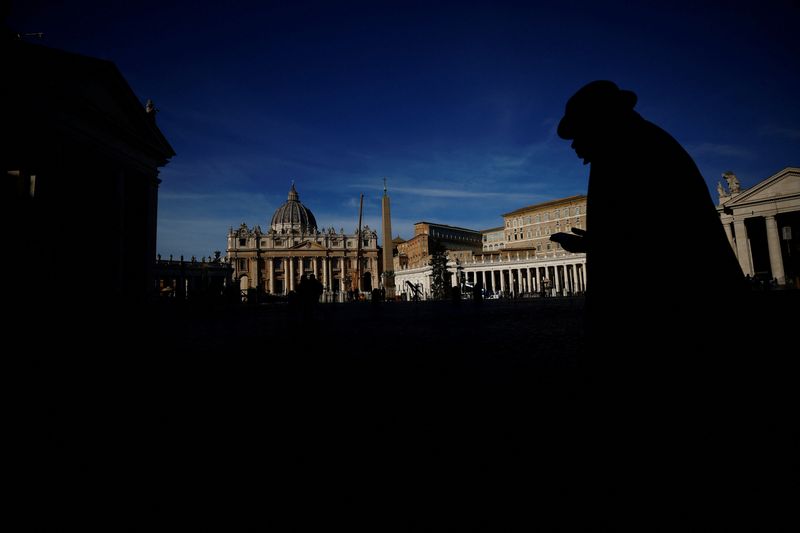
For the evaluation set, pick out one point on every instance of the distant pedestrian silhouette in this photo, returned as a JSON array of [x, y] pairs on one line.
[[308, 292], [477, 291]]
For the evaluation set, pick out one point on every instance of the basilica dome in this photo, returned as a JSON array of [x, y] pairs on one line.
[[293, 217]]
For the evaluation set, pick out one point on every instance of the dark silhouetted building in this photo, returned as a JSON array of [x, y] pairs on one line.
[[80, 164]]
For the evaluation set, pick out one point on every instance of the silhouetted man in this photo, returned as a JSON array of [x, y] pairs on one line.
[[662, 277], [658, 260]]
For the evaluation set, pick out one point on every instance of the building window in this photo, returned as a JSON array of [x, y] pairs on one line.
[[538, 247], [242, 242], [366, 243], [578, 210], [565, 213], [546, 217], [242, 264], [538, 218], [548, 247]]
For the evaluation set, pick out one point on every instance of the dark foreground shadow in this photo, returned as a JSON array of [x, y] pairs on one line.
[[246, 415]]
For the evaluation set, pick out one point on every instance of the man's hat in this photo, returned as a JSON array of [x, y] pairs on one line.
[[597, 99]]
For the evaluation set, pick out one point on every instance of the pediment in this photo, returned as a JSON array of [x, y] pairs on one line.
[[85, 93], [310, 246], [785, 183]]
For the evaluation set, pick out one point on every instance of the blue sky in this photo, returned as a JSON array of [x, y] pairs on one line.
[[455, 102]]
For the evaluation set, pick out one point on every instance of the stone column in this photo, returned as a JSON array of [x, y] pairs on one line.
[[556, 280], [573, 278], [314, 265], [343, 274], [528, 278], [729, 234], [325, 273], [743, 247], [774, 245], [290, 275], [584, 276], [502, 282], [483, 279], [271, 274], [253, 273]]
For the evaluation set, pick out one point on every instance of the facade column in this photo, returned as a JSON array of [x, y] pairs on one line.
[[271, 274], [556, 280], [483, 279], [573, 278], [743, 247], [585, 282], [253, 273], [502, 282], [343, 274], [568, 279], [290, 277], [325, 273], [528, 278], [774, 245], [538, 279], [729, 234], [314, 265]]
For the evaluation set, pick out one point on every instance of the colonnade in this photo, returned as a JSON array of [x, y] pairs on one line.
[[330, 270], [513, 277]]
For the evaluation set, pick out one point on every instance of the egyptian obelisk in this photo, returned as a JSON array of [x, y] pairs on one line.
[[388, 261]]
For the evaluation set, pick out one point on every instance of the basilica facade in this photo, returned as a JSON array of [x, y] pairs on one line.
[[293, 247]]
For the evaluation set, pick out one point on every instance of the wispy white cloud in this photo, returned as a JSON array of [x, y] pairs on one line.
[[453, 193], [720, 150], [773, 130]]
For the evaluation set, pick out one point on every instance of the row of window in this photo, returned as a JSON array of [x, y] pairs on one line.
[[333, 242], [539, 232], [307, 263], [453, 235], [545, 217]]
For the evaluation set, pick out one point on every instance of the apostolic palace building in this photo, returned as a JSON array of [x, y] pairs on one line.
[[513, 260], [275, 260]]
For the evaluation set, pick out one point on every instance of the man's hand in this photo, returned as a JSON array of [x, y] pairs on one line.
[[575, 242]]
